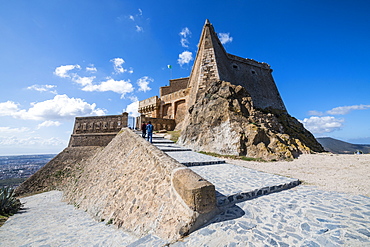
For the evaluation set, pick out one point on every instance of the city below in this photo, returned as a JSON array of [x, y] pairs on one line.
[[17, 168]]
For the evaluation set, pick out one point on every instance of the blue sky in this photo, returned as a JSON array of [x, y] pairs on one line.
[[62, 59]]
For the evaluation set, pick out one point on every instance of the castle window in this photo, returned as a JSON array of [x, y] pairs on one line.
[[253, 72], [235, 66]]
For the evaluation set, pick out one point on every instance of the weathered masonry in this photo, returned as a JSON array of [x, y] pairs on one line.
[[212, 63], [97, 130]]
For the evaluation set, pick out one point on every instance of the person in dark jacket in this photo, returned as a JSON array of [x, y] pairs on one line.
[[143, 130]]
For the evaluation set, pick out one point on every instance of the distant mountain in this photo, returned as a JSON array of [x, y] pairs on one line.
[[340, 147]]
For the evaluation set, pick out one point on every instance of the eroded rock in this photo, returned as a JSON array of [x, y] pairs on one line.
[[223, 120]]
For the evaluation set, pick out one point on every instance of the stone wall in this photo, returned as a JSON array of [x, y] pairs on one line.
[[98, 139], [97, 130], [158, 123], [170, 105], [257, 79], [100, 124], [175, 85], [138, 187], [150, 106]]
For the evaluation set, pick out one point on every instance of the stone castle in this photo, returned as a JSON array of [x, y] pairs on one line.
[[228, 105], [212, 63], [259, 103]]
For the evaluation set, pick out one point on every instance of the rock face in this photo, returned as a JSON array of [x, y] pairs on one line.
[[223, 120]]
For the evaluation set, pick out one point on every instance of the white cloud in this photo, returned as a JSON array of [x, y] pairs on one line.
[[13, 130], [184, 42], [62, 71], [132, 109], [225, 38], [139, 29], [342, 110], [185, 32], [48, 123], [117, 64], [315, 113], [118, 86], [185, 57], [60, 107], [325, 124], [43, 88], [83, 81], [91, 69], [137, 18], [8, 108], [31, 141], [110, 84], [143, 83]]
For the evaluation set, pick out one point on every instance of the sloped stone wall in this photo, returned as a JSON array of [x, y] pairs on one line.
[[134, 185], [59, 171], [129, 183]]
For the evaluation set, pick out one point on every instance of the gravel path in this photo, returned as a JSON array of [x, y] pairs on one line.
[[332, 172]]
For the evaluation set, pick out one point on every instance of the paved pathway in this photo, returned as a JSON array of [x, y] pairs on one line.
[[252, 216], [233, 183]]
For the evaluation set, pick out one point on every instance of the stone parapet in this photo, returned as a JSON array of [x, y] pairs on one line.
[[249, 61], [197, 192], [100, 124]]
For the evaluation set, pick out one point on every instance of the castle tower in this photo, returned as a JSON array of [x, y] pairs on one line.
[[206, 66], [213, 63]]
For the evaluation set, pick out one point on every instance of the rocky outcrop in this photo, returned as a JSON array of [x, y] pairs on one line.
[[223, 120]]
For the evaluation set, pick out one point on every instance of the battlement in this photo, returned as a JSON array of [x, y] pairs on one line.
[[97, 130], [249, 61]]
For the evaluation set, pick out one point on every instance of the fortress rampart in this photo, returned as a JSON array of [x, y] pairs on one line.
[[142, 189], [97, 130]]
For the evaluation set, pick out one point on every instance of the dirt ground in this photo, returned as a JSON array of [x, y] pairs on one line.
[[332, 172]]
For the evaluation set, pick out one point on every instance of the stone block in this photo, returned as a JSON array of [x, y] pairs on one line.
[[197, 193]]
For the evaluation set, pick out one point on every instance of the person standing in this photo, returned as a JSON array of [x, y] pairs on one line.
[[149, 130], [143, 130]]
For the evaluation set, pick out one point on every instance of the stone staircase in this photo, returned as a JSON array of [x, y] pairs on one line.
[[233, 183]]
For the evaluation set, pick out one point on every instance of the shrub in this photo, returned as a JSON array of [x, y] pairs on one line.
[[9, 204]]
